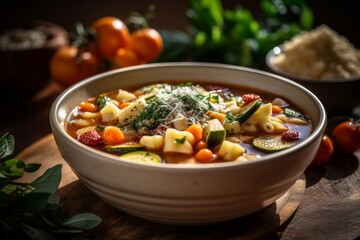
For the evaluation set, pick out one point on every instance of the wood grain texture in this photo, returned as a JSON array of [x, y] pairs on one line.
[[330, 209], [119, 225]]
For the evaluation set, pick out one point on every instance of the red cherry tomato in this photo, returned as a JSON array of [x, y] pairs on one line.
[[347, 136], [247, 98], [325, 152]]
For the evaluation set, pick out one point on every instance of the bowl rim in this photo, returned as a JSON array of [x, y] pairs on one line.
[[107, 157], [275, 51]]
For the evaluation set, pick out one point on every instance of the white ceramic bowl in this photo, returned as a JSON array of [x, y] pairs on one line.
[[180, 194]]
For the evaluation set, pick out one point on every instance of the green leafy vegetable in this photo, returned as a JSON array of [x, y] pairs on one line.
[[180, 140], [33, 210], [235, 36], [101, 101], [7, 143], [12, 168]]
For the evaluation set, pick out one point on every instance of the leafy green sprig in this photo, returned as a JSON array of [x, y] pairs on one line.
[[33, 210], [235, 36]]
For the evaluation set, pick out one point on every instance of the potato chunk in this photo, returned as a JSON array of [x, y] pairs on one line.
[[230, 151], [178, 141]]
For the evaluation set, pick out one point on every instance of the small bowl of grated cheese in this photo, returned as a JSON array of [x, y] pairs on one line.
[[324, 62]]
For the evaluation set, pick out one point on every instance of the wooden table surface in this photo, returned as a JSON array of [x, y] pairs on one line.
[[329, 208]]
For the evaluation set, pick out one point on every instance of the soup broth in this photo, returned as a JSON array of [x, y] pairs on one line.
[[188, 123]]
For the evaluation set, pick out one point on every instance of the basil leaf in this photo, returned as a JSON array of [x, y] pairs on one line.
[[83, 221], [181, 140], [12, 168], [44, 187], [7, 144], [32, 167]]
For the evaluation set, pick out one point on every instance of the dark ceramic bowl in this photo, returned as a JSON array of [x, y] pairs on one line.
[[25, 71], [339, 96]]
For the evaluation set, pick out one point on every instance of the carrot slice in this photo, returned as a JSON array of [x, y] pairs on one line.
[[200, 145], [276, 109], [204, 155], [88, 107], [113, 135], [219, 116], [124, 105], [196, 130]]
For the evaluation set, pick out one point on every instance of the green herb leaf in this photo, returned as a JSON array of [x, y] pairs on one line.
[[82, 221], [180, 140], [49, 181], [12, 168], [44, 186], [32, 210], [101, 101], [32, 167], [7, 144], [290, 113]]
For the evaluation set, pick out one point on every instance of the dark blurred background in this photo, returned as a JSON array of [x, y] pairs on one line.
[[342, 16]]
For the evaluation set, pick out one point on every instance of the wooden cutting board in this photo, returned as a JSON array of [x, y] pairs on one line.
[[116, 224]]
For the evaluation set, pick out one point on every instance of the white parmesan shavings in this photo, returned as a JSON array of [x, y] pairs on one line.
[[321, 54], [185, 101]]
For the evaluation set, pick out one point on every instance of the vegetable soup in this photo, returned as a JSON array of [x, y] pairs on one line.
[[188, 123]]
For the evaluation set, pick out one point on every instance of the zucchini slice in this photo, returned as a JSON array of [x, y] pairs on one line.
[[124, 148], [271, 143], [142, 157], [215, 133], [250, 109]]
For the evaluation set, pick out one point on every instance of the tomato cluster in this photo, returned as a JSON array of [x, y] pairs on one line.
[[345, 137], [112, 46]]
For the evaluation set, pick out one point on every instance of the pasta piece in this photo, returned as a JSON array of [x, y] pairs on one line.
[[264, 111], [109, 112], [83, 122], [278, 124], [84, 129], [230, 151], [232, 127], [125, 96], [241, 159], [232, 107], [129, 113], [272, 125], [249, 128], [155, 142], [178, 141], [293, 120], [180, 122], [88, 115], [298, 121], [282, 117], [266, 125]]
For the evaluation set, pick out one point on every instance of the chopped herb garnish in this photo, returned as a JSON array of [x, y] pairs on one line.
[[214, 98], [294, 114], [180, 140], [101, 101], [161, 108], [100, 128], [290, 113]]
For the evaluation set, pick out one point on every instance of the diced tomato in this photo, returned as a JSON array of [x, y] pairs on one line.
[[247, 98]]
